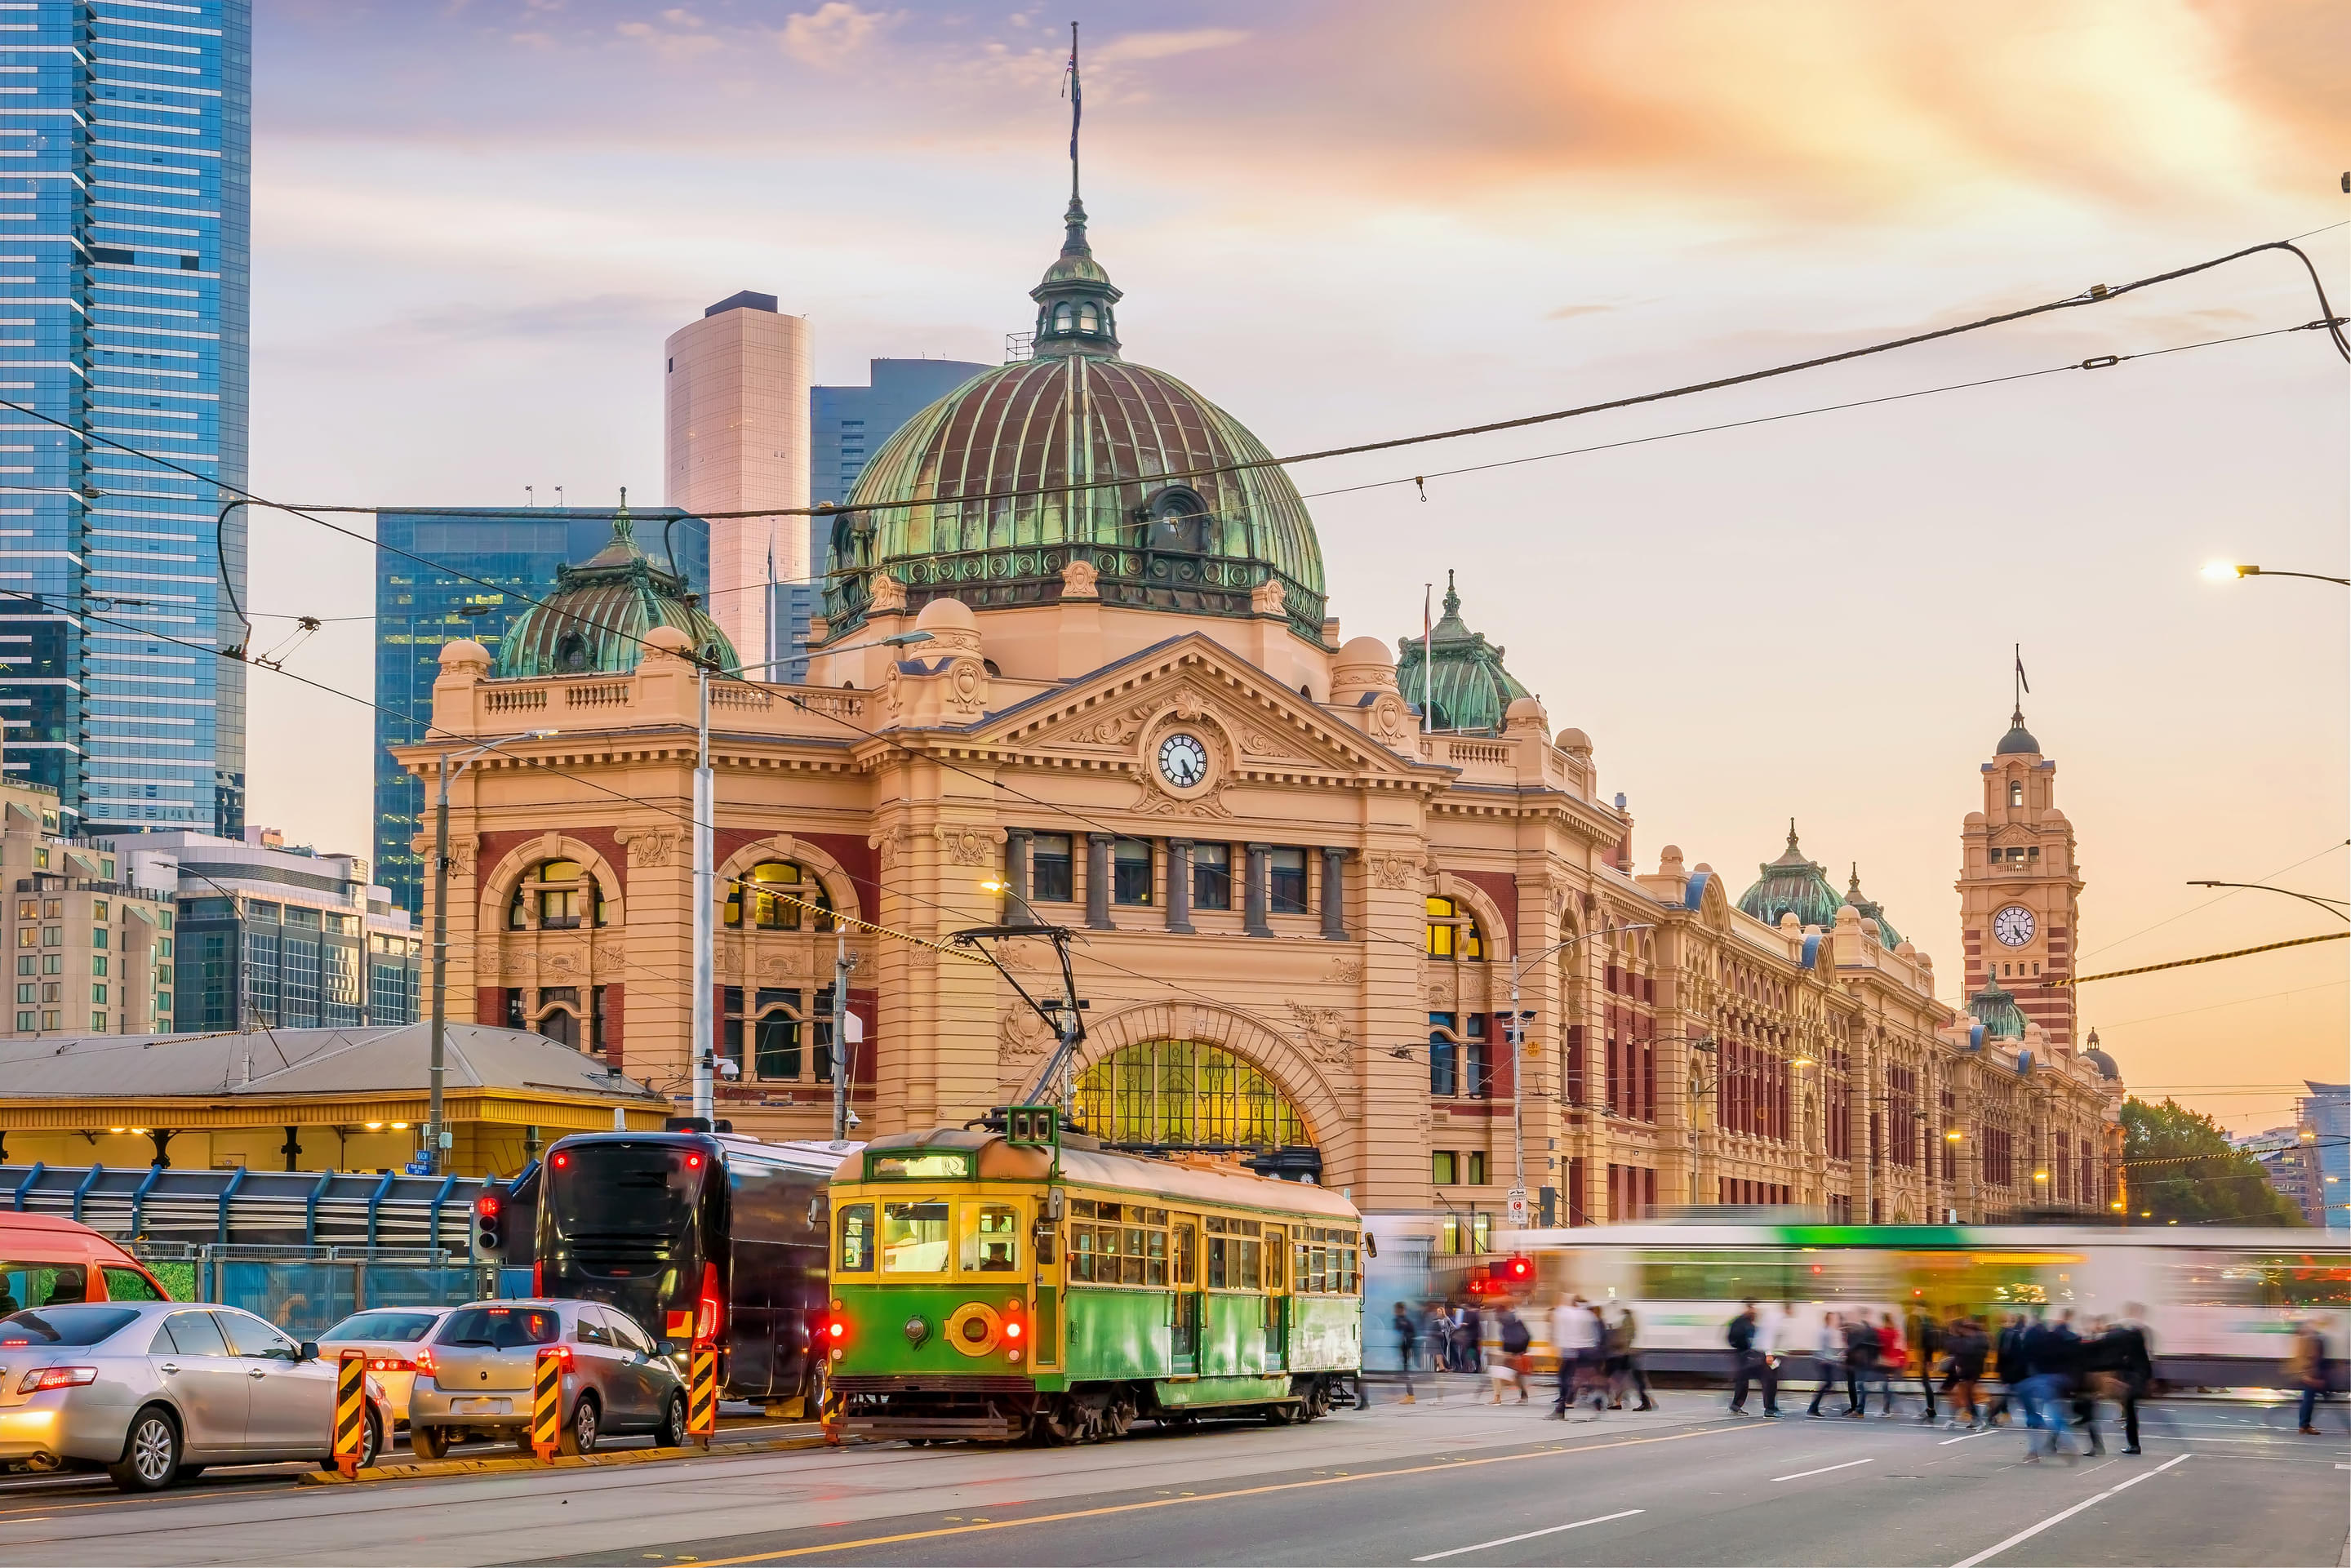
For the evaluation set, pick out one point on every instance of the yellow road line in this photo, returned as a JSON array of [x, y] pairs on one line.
[[1209, 1496]]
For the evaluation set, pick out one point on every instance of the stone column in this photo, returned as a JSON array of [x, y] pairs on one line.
[[1016, 877], [1098, 882], [1260, 860], [1334, 895], [1179, 885]]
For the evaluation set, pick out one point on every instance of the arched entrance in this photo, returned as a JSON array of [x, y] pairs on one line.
[[1192, 1096]]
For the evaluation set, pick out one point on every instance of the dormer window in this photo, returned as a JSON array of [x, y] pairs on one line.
[[1061, 317], [1089, 319], [1175, 519]]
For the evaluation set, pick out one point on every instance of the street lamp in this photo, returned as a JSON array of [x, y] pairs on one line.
[[2333, 906], [2224, 571], [1517, 1026], [436, 1136], [705, 895]]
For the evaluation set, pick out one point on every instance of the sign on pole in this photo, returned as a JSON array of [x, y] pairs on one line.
[[1518, 1209]]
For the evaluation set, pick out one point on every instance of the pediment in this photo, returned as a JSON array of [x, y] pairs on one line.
[[1265, 730]]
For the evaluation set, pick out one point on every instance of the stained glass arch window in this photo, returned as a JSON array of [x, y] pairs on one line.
[[1186, 1095]]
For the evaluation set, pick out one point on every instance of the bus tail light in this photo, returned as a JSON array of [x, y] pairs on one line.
[[539, 1276], [706, 1314]]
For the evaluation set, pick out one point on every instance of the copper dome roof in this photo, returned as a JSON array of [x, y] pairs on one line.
[[596, 621]]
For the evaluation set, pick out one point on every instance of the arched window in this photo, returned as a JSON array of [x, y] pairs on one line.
[[1089, 319], [778, 894], [1176, 518], [562, 1027], [1184, 1093], [1453, 932], [1061, 317], [568, 894], [2016, 792], [572, 653]]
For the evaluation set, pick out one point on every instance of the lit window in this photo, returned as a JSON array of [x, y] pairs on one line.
[[778, 894], [2016, 793], [1453, 934]]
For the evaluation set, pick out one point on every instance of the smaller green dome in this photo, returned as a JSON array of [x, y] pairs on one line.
[[1466, 686], [2017, 740], [596, 621], [1793, 884], [1995, 1009], [1870, 910]]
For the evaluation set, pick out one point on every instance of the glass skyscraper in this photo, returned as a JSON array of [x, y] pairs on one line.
[[125, 220], [419, 608]]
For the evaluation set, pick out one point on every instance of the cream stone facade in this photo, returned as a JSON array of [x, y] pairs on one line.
[[1097, 670]]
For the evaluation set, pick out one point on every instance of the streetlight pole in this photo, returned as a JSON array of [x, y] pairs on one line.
[[436, 1137], [1518, 1029], [2222, 571], [2333, 906]]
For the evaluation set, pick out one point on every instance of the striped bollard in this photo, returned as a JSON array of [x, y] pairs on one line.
[[702, 1393], [351, 1411], [547, 1405]]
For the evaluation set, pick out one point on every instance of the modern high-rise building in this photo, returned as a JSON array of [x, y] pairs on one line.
[[488, 566], [736, 404], [2323, 1118], [848, 424], [124, 285]]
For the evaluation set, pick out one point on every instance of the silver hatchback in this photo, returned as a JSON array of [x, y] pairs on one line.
[[155, 1391], [474, 1377]]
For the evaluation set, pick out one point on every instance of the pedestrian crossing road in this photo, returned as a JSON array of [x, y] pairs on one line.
[[1449, 1480]]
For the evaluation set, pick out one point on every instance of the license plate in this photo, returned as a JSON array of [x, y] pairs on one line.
[[483, 1406]]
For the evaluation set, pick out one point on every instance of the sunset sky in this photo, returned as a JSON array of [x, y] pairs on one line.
[[476, 222]]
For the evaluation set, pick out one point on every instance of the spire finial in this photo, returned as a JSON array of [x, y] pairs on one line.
[[1077, 108], [623, 527], [1853, 888], [1452, 599], [1791, 833]]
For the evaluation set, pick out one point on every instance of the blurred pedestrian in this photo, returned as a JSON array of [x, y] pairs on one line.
[[2132, 1360], [2043, 1358], [1467, 1329], [2007, 1364], [1893, 1358], [1575, 1335], [1828, 1359], [2082, 1377], [1623, 1332], [1965, 1346], [1926, 1336], [2305, 1373], [1752, 1361], [1511, 1364], [1860, 1363], [1407, 1333]]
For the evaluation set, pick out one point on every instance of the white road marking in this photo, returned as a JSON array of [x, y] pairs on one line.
[[1530, 1535], [1825, 1470], [2027, 1534], [1949, 1441]]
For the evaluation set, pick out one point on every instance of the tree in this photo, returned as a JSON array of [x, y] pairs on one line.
[[2180, 1166]]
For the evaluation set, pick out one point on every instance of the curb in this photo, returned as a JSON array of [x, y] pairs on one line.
[[423, 1469]]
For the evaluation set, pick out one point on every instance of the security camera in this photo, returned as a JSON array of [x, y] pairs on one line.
[[729, 1068], [854, 1122]]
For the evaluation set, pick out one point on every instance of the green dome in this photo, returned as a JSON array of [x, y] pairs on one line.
[[1467, 688], [596, 621], [1090, 446], [1793, 884], [1870, 910], [1995, 1009]]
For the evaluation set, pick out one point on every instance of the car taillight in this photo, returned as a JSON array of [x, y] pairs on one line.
[[42, 1377], [390, 1364], [561, 1353], [706, 1312], [424, 1367]]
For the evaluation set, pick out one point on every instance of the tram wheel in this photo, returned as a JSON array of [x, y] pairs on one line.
[[1118, 1417]]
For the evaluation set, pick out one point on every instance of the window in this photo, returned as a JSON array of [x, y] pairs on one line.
[[98, 965], [991, 1239], [1444, 1056], [857, 1239], [915, 1238], [1477, 1060], [1118, 1243], [1212, 876], [1288, 875], [1062, 317], [2016, 793], [1474, 1168], [1444, 1167], [98, 909], [1089, 319], [778, 895], [1130, 871], [1453, 932], [128, 1285], [1050, 878], [559, 909], [248, 1336], [590, 1330], [97, 993]]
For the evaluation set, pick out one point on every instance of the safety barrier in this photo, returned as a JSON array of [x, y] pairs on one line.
[[702, 1393], [350, 1410], [547, 1404]]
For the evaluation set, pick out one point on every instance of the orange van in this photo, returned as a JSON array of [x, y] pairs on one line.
[[49, 1260]]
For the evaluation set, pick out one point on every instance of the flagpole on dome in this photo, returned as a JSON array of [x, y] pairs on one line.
[[1077, 110]]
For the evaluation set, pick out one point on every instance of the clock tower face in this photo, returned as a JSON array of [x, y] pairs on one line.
[[2013, 925], [1183, 760], [2020, 888]]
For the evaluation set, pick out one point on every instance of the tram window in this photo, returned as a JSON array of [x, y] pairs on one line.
[[1276, 1252], [917, 1167], [857, 1239], [991, 1238], [1154, 1257], [1717, 1275], [1251, 1273], [913, 1237], [1186, 1245], [1218, 1270]]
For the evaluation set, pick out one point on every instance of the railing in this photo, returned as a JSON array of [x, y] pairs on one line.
[[1478, 752], [306, 1290], [605, 693], [514, 699], [730, 693]]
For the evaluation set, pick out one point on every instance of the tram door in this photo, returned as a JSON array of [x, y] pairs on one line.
[[1277, 1299], [1183, 1300]]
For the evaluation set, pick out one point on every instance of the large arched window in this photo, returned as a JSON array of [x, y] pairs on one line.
[[1184, 1095], [567, 895], [1453, 932], [774, 895]]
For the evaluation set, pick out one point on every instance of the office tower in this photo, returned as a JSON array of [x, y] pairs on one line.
[[736, 400], [488, 565], [92, 944], [848, 424], [123, 311], [273, 936]]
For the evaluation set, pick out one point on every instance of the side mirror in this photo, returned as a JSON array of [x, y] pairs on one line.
[[1371, 1245], [816, 1212], [1053, 1201], [308, 1351]]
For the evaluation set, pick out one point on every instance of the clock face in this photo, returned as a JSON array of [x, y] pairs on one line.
[[1183, 760], [2013, 925]]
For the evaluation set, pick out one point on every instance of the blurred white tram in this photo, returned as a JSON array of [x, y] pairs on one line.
[[2220, 1303]]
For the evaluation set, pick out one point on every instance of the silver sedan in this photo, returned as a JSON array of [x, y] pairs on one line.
[[473, 1378], [153, 1392]]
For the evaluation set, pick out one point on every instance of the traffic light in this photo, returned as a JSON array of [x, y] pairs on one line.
[[489, 1216], [1518, 1271]]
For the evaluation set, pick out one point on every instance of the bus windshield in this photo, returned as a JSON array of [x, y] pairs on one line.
[[624, 1189]]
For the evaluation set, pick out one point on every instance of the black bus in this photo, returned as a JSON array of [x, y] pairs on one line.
[[698, 1236]]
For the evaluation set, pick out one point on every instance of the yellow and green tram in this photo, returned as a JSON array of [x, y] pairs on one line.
[[996, 1286]]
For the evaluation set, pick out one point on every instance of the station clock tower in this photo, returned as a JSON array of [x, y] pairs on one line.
[[2020, 886]]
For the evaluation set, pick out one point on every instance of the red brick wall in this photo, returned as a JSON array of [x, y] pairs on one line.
[[1503, 889], [490, 1005]]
